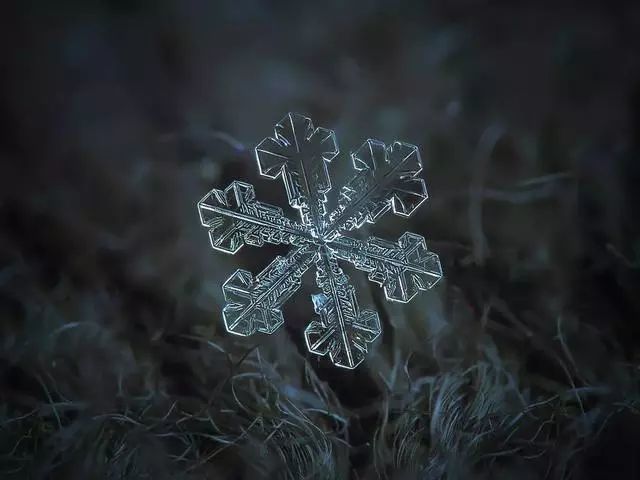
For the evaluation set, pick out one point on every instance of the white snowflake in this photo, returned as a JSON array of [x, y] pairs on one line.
[[386, 178]]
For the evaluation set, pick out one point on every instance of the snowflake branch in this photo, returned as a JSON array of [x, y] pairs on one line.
[[235, 218], [343, 331], [255, 304], [386, 179], [403, 268], [299, 153]]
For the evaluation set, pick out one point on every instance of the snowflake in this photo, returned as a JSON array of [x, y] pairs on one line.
[[385, 178]]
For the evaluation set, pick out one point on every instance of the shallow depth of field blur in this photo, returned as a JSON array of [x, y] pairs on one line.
[[118, 116]]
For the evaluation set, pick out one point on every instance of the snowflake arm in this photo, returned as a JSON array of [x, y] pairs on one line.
[[256, 304], [402, 268], [234, 218], [342, 331], [385, 179], [299, 153]]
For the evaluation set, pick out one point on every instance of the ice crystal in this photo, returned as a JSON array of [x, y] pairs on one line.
[[385, 178]]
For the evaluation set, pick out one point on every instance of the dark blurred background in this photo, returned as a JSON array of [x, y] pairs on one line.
[[118, 116]]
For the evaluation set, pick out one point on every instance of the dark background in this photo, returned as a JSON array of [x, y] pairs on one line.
[[118, 116]]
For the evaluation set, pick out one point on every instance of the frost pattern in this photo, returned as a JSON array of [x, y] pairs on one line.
[[385, 179]]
